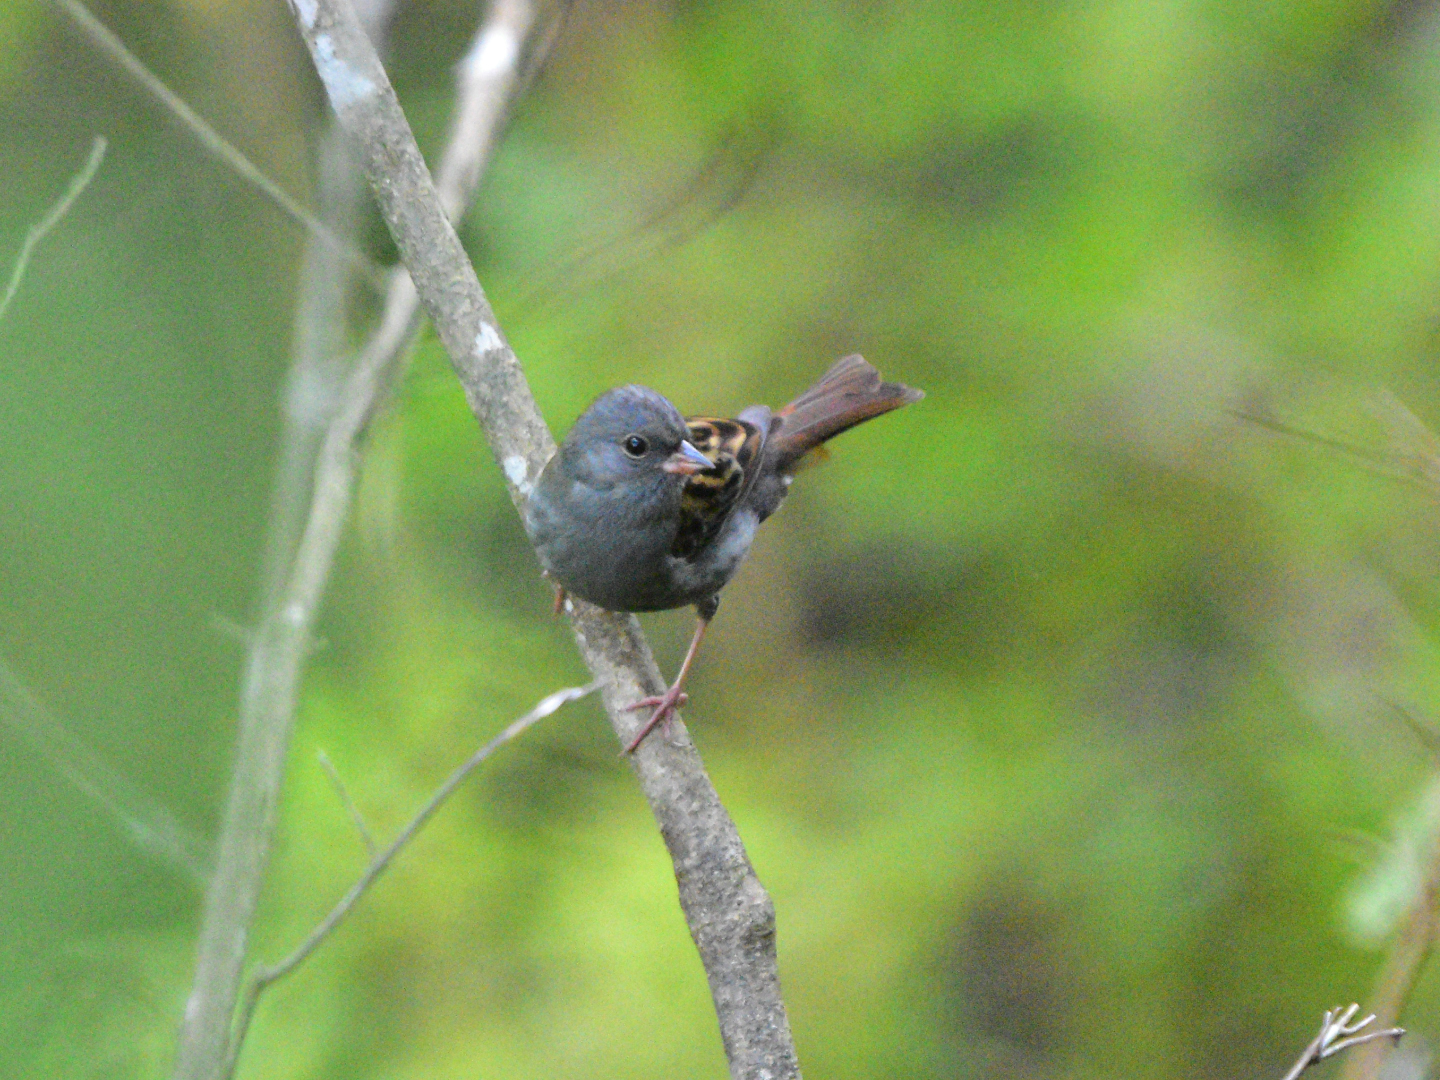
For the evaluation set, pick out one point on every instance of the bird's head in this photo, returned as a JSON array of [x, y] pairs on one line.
[[630, 434]]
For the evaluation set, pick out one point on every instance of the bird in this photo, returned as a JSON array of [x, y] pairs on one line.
[[643, 509]]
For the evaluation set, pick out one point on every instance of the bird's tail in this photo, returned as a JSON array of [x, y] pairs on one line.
[[850, 393]]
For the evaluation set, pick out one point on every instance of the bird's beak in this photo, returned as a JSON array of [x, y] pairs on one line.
[[687, 461]]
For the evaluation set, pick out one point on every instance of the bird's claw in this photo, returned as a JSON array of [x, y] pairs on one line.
[[654, 701], [665, 706]]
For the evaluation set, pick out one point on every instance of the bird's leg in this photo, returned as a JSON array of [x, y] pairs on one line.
[[667, 702], [559, 599]]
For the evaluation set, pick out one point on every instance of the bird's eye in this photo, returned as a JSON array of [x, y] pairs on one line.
[[635, 446]]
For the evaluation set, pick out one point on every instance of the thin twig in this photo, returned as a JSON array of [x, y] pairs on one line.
[[343, 793], [544, 46], [146, 822], [712, 191], [1337, 1033], [730, 916], [1423, 730], [78, 183], [1411, 459], [272, 675], [264, 977], [232, 629], [1280, 427], [104, 39]]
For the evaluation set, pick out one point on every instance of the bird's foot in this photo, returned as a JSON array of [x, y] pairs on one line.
[[665, 706]]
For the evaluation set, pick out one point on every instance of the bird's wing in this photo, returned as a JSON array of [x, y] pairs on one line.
[[735, 447]]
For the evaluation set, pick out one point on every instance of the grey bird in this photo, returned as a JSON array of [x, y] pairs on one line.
[[642, 509]]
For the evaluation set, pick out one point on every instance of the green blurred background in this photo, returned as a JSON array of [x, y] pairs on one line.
[[1053, 710]]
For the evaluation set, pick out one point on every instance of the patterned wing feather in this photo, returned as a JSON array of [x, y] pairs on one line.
[[709, 496]]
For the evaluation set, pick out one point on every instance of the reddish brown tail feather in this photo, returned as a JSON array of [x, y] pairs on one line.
[[850, 393]]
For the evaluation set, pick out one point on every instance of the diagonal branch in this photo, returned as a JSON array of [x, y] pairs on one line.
[[730, 916]]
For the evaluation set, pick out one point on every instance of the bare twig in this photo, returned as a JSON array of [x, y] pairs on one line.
[[1413, 453], [351, 810], [1280, 427], [1423, 730], [264, 977], [723, 179], [33, 235], [730, 916], [544, 44], [233, 629], [104, 39], [147, 823], [1337, 1033], [273, 668]]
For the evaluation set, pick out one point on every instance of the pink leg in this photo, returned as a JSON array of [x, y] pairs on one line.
[[674, 697]]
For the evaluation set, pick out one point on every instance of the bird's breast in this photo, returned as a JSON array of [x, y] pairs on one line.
[[607, 545]]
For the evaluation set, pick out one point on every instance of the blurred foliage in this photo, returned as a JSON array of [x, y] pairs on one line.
[[1049, 708]]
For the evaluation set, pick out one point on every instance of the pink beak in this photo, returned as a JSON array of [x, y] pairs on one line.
[[687, 461]]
